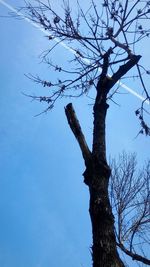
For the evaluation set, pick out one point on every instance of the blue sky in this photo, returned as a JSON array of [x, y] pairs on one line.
[[40, 162]]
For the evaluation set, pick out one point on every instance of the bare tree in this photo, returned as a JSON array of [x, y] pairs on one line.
[[130, 200], [104, 40]]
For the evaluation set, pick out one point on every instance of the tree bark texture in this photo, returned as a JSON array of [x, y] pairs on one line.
[[97, 173], [104, 249], [96, 176]]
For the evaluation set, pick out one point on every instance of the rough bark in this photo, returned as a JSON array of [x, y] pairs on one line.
[[104, 249], [97, 173]]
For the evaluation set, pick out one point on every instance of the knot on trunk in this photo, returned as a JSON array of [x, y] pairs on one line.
[[95, 172]]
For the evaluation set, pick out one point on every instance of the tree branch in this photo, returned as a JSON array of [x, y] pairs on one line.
[[123, 69], [77, 131], [134, 256]]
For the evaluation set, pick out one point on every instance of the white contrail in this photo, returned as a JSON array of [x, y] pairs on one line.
[[57, 40], [20, 14]]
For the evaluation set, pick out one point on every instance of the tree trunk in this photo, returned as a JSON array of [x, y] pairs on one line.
[[104, 250], [97, 174]]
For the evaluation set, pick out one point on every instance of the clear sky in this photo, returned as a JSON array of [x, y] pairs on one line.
[[43, 201]]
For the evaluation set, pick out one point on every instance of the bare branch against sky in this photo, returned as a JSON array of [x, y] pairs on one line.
[[57, 40]]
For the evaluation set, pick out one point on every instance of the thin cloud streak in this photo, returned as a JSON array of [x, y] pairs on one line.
[[57, 40]]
